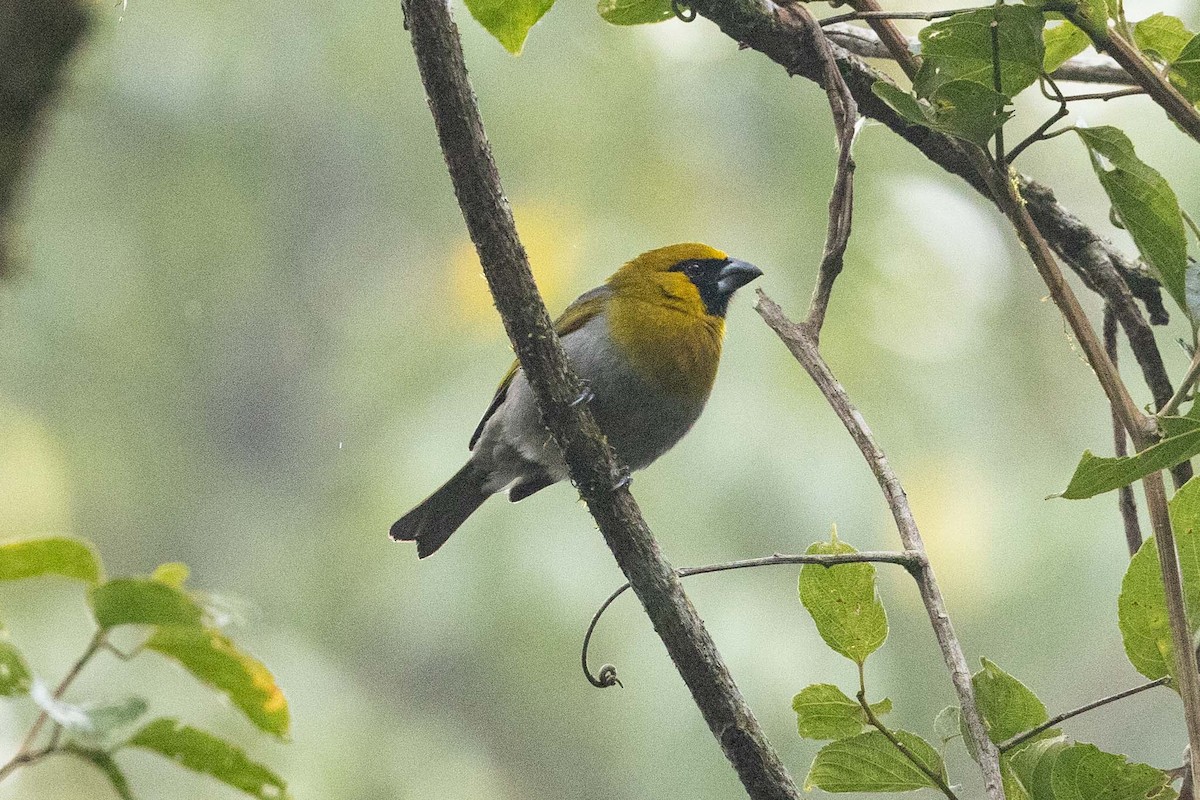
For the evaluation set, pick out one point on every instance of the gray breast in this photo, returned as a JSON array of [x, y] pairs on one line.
[[640, 421]]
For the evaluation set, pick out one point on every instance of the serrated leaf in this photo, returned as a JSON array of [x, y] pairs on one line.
[[509, 20], [1185, 70], [1142, 606], [844, 603], [90, 721], [870, 763], [1084, 772], [635, 12], [173, 574], [105, 763], [963, 109], [70, 558], [1007, 705], [209, 755], [960, 48], [823, 711], [1144, 202], [215, 660], [1163, 35], [1063, 42], [142, 601], [1098, 474]]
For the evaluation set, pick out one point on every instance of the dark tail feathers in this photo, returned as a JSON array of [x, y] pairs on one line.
[[431, 523]]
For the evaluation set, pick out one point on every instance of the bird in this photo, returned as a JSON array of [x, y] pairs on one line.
[[646, 344]]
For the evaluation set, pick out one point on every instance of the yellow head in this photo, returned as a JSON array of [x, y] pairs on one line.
[[690, 277], [667, 314]]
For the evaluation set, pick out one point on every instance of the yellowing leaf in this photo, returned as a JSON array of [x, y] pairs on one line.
[[215, 660]]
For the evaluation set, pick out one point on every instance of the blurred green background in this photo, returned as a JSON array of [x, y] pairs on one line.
[[248, 332]]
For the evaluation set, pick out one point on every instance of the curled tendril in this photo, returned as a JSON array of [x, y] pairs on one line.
[[683, 11], [914, 562]]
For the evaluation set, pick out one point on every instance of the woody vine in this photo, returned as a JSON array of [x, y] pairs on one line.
[[956, 109]]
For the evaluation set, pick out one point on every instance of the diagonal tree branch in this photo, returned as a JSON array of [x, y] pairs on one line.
[[590, 460], [804, 348], [37, 37]]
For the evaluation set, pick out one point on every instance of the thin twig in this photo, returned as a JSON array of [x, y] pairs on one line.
[[1185, 387], [841, 201], [865, 42], [1113, 95], [25, 751], [802, 346], [1126, 503], [607, 676], [1143, 73], [1021, 738], [589, 459], [938, 779], [1040, 134], [927, 16]]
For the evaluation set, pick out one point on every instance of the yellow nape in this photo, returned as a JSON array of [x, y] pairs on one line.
[[663, 258]]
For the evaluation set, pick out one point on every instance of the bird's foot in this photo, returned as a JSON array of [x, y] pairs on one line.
[[585, 396], [624, 478]]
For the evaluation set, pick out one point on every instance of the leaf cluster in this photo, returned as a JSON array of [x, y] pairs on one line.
[[178, 624], [1037, 761]]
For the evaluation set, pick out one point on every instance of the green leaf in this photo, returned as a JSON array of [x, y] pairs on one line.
[[844, 603], [635, 12], [105, 763], [823, 711], [15, 677], [1063, 42], [960, 48], [1098, 474], [1144, 202], [70, 558], [1084, 772], [870, 763], [209, 755], [214, 660], [144, 601], [1185, 71], [1007, 705], [1162, 35], [509, 20], [1142, 606], [1033, 766], [173, 574], [963, 109], [1013, 788]]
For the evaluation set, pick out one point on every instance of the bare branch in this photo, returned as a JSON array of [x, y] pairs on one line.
[[841, 201], [589, 458], [865, 43], [608, 673], [804, 348], [1021, 738], [1126, 504]]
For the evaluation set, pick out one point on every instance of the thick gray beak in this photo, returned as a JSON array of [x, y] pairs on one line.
[[735, 275]]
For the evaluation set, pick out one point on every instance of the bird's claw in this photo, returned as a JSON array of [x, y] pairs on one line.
[[624, 478], [585, 396]]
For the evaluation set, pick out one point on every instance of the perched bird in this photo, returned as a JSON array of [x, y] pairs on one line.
[[646, 343]]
